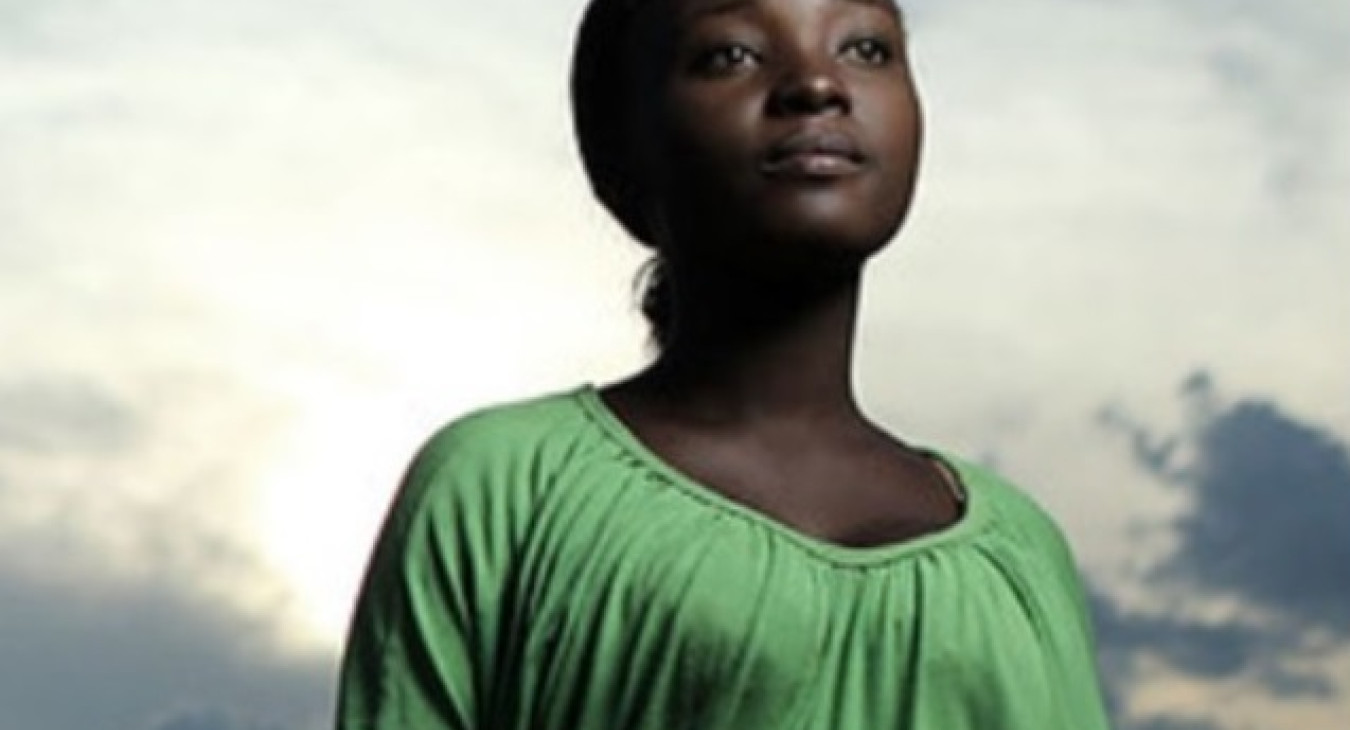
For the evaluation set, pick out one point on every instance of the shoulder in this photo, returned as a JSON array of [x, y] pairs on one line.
[[1014, 513], [500, 450], [506, 430]]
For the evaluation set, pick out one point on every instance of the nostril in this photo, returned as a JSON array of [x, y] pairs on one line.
[[809, 95]]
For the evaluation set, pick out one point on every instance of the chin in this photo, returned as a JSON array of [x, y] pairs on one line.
[[817, 245], [820, 228], [793, 227]]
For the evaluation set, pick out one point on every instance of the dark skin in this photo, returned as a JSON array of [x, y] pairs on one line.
[[780, 152]]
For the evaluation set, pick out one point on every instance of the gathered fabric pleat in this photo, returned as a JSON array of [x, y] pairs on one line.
[[623, 595]]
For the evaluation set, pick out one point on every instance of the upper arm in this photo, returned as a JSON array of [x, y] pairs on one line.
[[420, 643], [1073, 635]]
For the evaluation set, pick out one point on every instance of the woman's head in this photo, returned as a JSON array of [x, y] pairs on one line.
[[749, 133]]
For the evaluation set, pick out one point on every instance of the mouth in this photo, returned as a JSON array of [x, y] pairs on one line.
[[813, 154]]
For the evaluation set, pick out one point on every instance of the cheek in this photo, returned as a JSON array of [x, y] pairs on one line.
[[912, 118], [898, 141], [710, 130], [900, 123]]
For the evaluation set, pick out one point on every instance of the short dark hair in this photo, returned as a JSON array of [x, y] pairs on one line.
[[604, 84]]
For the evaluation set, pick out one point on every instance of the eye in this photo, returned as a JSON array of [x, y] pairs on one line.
[[724, 59], [869, 50]]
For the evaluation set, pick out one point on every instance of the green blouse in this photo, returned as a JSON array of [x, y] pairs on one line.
[[540, 569]]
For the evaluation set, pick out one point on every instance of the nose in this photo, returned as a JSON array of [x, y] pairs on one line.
[[809, 89]]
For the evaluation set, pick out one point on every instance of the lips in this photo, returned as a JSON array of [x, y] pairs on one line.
[[813, 153]]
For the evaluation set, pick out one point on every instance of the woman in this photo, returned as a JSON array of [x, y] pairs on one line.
[[724, 540]]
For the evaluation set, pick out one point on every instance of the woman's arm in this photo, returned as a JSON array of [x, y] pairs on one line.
[[419, 645]]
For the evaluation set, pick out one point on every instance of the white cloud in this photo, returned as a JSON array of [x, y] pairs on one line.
[[1098, 218], [333, 217]]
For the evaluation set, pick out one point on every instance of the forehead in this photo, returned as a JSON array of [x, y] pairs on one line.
[[686, 11]]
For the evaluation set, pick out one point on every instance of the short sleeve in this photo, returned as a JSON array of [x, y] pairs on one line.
[[421, 642], [1081, 683]]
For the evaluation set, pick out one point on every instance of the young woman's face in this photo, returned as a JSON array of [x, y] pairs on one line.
[[793, 123]]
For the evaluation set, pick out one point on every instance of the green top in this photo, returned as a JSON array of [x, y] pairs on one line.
[[542, 570]]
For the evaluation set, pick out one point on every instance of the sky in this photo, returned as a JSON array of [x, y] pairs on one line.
[[252, 253]]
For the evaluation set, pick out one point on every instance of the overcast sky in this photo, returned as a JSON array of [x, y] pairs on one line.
[[252, 252]]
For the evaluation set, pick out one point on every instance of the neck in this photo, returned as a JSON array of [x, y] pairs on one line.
[[746, 348]]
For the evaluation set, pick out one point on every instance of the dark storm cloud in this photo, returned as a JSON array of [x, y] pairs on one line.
[[1267, 524], [1270, 515], [1286, 683], [85, 641], [1206, 650], [144, 655], [1195, 648], [214, 719]]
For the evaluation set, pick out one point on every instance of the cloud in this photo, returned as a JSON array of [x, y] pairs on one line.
[[212, 720], [1269, 520], [131, 601], [1172, 723], [1217, 653], [1113, 193], [53, 412], [121, 654], [1252, 590], [1112, 185], [131, 596], [222, 228], [1210, 650]]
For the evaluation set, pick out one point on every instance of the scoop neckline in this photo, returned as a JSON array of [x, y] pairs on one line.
[[970, 522]]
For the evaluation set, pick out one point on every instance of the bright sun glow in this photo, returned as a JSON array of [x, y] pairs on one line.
[[420, 346], [324, 503]]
